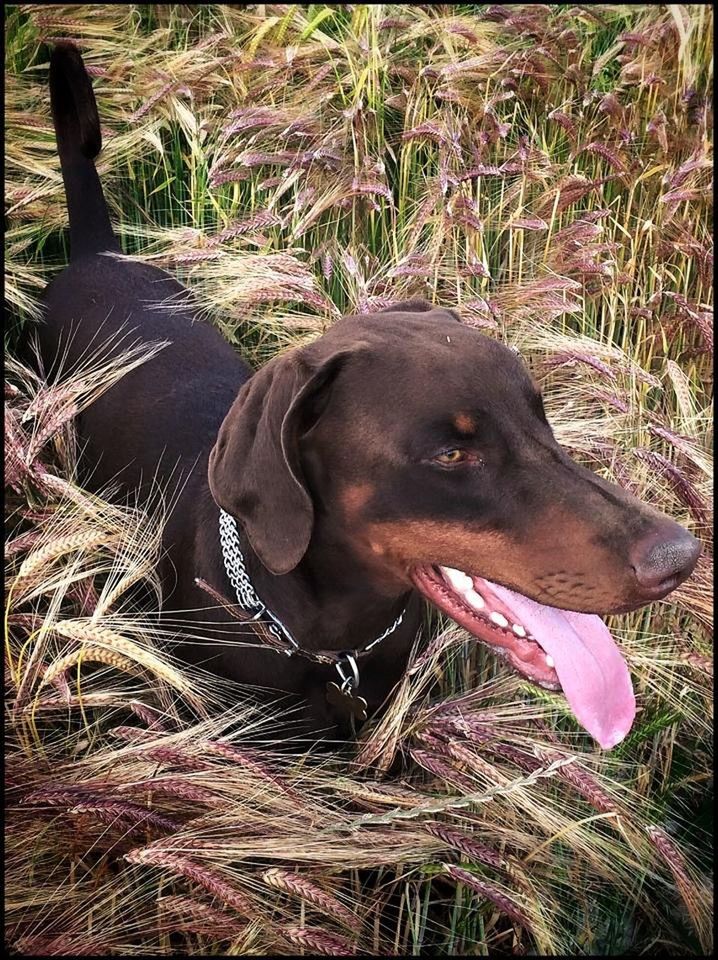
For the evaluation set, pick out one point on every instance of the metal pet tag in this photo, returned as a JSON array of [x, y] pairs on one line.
[[346, 700]]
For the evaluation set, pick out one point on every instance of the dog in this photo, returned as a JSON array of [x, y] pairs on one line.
[[401, 456]]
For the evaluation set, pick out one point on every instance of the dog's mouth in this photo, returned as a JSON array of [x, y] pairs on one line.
[[557, 649]]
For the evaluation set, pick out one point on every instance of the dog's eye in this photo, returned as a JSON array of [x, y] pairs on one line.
[[447, 458]]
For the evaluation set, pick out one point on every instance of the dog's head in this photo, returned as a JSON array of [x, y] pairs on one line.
[[425, 445]]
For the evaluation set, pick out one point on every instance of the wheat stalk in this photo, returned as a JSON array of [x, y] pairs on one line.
[[83, 540], [319, 941], [94, 634], [303, 888], [497, 897], [184, 867], [112, 811], [201, 917], [92, 654]]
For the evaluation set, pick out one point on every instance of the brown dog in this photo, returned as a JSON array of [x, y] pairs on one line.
[[393, 454]]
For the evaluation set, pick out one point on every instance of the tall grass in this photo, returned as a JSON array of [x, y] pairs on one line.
[[545, 169]]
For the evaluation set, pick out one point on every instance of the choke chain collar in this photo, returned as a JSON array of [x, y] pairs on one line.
[[345, 662]]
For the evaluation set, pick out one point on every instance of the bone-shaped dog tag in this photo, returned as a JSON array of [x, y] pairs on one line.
[[346, 700]]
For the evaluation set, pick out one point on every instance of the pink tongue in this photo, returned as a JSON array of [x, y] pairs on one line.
[[593, 674]]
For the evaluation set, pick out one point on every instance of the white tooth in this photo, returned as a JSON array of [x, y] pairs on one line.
[[550, 662], [519, 630], [474, 599], [499, 619], [457, 578]]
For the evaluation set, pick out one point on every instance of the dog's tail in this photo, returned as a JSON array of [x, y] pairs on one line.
[[77, 128]]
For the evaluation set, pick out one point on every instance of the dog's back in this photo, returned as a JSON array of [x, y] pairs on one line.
[[165, 413]]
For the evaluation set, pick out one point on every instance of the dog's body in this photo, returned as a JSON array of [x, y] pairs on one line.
[[333, 457], [193, 382]]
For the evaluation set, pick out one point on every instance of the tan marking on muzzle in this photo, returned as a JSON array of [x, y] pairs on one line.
[[556, 564]]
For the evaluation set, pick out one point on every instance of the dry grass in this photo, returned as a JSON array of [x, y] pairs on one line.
[[546, 171]]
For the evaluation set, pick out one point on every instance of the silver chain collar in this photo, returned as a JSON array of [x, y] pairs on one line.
[[247, 599], [237, 572]]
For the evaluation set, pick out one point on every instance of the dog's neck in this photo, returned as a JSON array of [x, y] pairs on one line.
[[329, 601]]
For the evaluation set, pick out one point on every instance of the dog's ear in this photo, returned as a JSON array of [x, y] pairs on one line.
[[254, 468]]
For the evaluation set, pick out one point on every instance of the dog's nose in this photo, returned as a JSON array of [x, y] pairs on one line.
[[664, 559]]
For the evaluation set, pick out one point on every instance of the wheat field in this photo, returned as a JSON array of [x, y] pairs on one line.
[[545, 170]]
